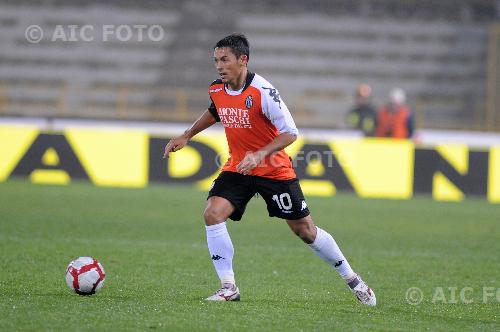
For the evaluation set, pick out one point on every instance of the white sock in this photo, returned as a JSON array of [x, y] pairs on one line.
[[327, 249], [221, 251]]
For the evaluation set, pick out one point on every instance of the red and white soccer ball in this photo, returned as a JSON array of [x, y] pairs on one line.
[[85, 276]]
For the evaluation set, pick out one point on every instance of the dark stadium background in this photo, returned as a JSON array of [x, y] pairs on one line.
[[443, 53]]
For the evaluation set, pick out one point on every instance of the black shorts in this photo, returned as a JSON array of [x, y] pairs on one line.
[[284, 198]]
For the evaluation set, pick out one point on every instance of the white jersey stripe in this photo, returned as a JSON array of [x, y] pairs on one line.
[[273, 106]]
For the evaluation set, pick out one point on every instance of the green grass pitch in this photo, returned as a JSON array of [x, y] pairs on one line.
[[152, 245]]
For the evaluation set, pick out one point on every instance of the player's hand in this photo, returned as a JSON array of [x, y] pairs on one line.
[[251, 160], [175, 144]]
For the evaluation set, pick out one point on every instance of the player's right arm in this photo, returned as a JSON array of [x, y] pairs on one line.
[[204, 121]]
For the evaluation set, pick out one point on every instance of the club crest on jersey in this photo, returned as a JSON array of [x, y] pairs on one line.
[[249, 101]]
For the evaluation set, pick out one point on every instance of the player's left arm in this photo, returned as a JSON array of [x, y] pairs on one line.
[[279, 115]]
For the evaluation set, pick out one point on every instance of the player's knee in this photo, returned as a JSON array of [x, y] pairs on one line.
[[307, 236], [213, 216], [305, 231]]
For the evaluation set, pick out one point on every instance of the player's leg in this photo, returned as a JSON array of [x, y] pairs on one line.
[[285, 200], [219, 242], [218, 209], [227, 199], [220, 247], [323, 245]]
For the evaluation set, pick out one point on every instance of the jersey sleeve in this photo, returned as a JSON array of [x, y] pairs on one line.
[[277, 112], [213, 110]]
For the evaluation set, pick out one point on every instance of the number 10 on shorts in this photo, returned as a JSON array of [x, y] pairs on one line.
[[284, 201]]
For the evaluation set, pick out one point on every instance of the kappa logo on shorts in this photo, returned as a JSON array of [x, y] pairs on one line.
[[304, 206]]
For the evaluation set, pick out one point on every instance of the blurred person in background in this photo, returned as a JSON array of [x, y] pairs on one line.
[[396, 118], [363, 114]]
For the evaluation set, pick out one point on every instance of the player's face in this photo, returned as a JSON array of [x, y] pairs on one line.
[[228, 66]]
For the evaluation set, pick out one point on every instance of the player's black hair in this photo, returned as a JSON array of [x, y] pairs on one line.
[[237, 42]]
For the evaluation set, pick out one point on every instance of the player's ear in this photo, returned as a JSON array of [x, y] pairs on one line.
[[243, 59]]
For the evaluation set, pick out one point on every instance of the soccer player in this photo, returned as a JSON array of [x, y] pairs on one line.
[[258, 127]]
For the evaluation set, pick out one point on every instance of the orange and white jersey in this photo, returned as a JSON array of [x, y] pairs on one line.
[[252, 117]]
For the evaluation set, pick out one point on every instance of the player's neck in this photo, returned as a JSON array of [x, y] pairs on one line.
[[240, 81]]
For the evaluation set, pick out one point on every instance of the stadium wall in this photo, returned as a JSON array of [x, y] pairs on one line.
[[121, 156]]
